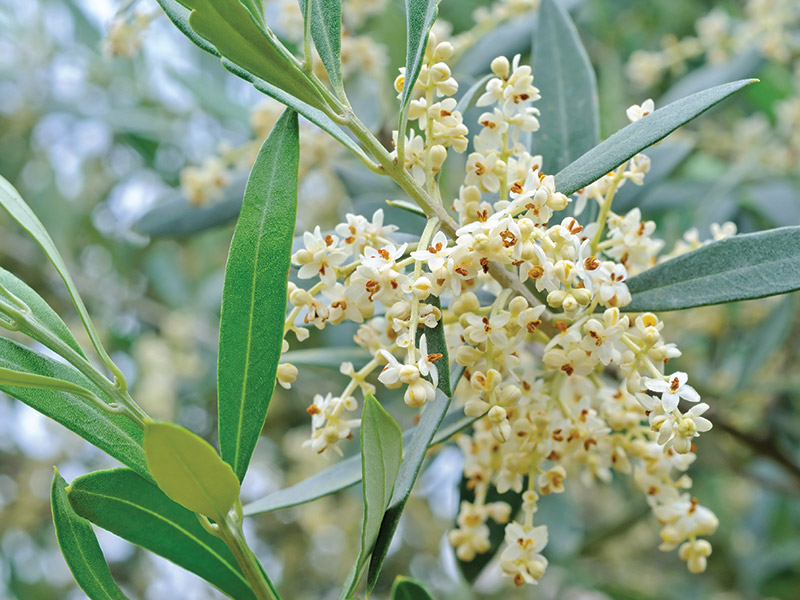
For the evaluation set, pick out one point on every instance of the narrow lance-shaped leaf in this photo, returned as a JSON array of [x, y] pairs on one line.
[[189, 470], [346, 472], [437, 349], [612, 152], [405, 588], [254, 295], [420, 15], [741, 267], [137, 511], [381, 452], [42, 382], [11, 201], [316, 116], [179, 15], [112, 433], [431, 418], [236, 33], [40, 310], [79, 547], [564, 75], [326, 31]]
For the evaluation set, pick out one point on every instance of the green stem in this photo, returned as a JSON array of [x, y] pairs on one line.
[[231, 533], [117, 394], [308, 65], [606, 208]]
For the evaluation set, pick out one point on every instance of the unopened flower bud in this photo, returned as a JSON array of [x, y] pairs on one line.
[[287, 373], [440, 72], [448, 87], [419, 393], [582, 295], [443, 51], [557, 201], [500, 67], [303, 257], [466, 303], [569, 305], [300, 297], [556, 298], [467, 355], [438, 156], [517, 305]]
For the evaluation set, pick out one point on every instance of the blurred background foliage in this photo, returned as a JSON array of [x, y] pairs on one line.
[[132, 146]]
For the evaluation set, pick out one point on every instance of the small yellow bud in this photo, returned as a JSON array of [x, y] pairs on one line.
[[500, 67]]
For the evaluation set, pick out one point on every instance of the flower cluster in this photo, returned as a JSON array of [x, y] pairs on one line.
[[561, 382]]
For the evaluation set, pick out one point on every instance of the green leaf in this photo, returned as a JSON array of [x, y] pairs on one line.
[[564, 75], [612, 152], [381, 453], [420, 15], [179, 16], [316, 116], [137, 511], [742, 267], [345, 473], [326, 31], [79, 547], [189, 470], [437, 344], [31, 380], [114, 434], [430, 420], [405, 588], [254, 295], [40, 310], [238, 36], [23, 215]]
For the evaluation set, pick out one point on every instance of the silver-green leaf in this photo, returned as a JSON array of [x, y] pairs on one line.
[[16, 207], [431, 418], [381, 453], [134, 509], [40, 311], [612, 152], [346, 472], [741, 267], [420, 15], [79, 547], [114, 434], [405, 588], [254, 295], [326, 31], [316, 116], [564, 75]]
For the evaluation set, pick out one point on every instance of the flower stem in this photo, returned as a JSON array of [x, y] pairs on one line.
[[230, 532]]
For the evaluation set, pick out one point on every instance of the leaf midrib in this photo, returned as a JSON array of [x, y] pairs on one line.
[[188, 534], [243, 396], [85, 558]]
